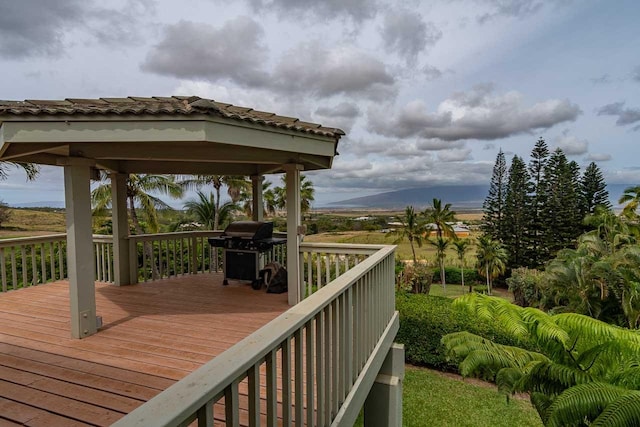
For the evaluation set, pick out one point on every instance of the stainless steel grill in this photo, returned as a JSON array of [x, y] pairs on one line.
[[244, 243]]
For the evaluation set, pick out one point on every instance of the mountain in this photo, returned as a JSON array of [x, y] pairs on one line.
[[460, 196], [43, 204]]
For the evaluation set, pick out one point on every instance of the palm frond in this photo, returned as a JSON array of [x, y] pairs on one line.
[[623, 411], [552, 378], [583, 401], [542, 326], [628, 377], [507, 379]]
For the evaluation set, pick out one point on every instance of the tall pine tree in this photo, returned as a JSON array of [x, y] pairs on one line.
[[593, 191], [537, 253], [516, 214], [493, 206]]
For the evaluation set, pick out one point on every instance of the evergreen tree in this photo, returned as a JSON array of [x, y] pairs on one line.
[[516, 215], [537, 253], [593, 191], [560, 216], [493, 206]]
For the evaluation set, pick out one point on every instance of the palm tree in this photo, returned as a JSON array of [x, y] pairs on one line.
[[584, 372], [235, 186], [492, 259], [307, 193], [441, 245], [462, 246], [204, 210], [138, 194], [268, 200], [412, 229], [631, 197], [32, 170], [441, 217]]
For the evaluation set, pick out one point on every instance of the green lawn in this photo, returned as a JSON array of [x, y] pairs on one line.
[[433, 399]]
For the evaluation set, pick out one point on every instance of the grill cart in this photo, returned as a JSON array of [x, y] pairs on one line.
[[244, 243]]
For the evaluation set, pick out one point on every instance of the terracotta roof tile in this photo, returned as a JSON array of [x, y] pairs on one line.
[[177, 105]]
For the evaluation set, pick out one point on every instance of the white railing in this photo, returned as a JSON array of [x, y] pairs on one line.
[[30, 261], [160, 256], [306, 367]]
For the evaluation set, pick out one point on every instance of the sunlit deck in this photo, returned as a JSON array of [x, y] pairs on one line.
[[154, 334]]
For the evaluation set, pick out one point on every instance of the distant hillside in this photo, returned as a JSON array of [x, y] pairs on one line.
[[460, 196], [42, 204]]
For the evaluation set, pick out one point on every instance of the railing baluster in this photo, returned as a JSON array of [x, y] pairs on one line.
[[298, 378], [310, 352], [205, 415], [335, 361], [14, 269], [253, 381], [328, 363], [52, 260], [61, 249], [286, 382], [3, 267], [320, 369], [272, 389], [232, 405], [43, 264]]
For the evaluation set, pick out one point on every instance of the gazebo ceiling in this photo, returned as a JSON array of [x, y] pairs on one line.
[[179, 135]]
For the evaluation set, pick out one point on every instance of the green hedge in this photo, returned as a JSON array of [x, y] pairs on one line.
[[424, 319], [452, 275]]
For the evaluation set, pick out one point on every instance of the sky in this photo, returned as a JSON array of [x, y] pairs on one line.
[[426, 91]]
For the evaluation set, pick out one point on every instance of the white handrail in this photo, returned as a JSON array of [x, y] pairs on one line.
[[316, 351]]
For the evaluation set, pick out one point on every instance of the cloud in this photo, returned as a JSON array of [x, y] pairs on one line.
[[489, 146], [635, 74], [455, 155], [357, 10], [626, 116], [199, 51], [603, 79], [315, 69], [598, 157], [405, 33], [36, 28], [434, 144], [510, 8], [431, 73], [342, 115], [475, 114], [572, 146]]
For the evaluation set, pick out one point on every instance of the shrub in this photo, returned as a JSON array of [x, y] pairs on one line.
[[416, 278], [425, 319], [525, 285], [5, 213]]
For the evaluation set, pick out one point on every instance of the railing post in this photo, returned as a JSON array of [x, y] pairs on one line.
[[383, 407], [193, 268], [120, 222], [133, 261]]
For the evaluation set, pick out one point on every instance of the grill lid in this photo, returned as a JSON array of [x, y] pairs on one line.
[[256, 230]]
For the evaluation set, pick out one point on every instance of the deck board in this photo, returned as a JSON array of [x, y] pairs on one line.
[[154, 334]]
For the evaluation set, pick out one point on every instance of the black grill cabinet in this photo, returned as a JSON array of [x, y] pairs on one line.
[[244, 243]]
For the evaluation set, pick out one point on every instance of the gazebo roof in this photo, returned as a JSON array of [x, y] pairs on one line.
[[162, 135]]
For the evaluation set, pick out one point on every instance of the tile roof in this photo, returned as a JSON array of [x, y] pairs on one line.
[[176, 105]]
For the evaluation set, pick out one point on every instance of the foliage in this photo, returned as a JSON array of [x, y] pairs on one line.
[[492, 259], [526, 285], [593, 191], [516, 213], [32, 170], [461, 246], [416, 277], [204, 211], [494, 204], [307, 193], [441, 244], [582, 369], [425, 319], [5, 213], [538, 253], [441, 217], [631, 198], [412, 229]]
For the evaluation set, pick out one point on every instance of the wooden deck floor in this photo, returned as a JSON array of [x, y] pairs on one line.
[[153, 335]]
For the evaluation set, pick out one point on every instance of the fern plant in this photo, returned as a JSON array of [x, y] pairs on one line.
[[584, 372]]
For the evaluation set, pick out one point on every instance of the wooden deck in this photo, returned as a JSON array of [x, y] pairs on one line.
[[153, 335]]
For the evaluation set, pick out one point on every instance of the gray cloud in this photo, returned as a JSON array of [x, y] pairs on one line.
[[489, 146], [456, 155], [36, 27], [199, 51], [431, 73], [572, 146], [357, 10], [635, 74], [598, 157], [434, 144], [603, 79], [405, 33], [314, 69], [31, 28], [342, 115], [626, 116], [510, 8], [476, 114]]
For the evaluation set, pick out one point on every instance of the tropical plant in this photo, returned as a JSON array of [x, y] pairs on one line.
[[204, 210], [586, 372], [268, 200], [462, 246], [32, 170], [412, 229], [631, 197], [307, 193], [235, 186], [441, 244], [492, 259], [139, 189], [441, 217]]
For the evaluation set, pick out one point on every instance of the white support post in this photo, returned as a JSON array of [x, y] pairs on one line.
[[293, 232], [257, 206], [383, 407], [80, 259], [120, 224]]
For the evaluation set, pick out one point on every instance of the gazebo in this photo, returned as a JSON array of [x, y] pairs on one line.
[[165, 135]]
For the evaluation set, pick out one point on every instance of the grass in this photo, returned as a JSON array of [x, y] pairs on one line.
[[32, 222], [403, 251], [431, 398]]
